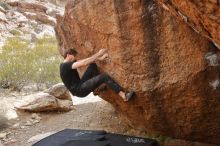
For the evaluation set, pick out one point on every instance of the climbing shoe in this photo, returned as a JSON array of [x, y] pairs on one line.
[[129, 95]]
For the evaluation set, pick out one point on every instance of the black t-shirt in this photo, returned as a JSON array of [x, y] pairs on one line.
[[69, 76]]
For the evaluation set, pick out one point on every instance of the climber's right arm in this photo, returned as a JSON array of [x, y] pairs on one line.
[[88, 60]]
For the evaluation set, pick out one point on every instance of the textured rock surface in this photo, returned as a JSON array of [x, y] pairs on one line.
[[43, 102], [174, 70], [27, 20], [59, 91], [176, 142], [58, 2], [39, 11], [2, 17], [203, 16]]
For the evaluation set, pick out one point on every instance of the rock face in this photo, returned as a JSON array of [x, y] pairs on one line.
[[57, 98], [27, 20], [39, 11], [42, 102], [176, 142], [59, 91], [202, 16], [174, 70]]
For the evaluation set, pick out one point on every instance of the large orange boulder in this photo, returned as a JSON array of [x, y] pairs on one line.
[[174, 70], [202, 15]]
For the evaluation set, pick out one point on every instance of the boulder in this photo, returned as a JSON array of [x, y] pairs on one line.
[[40, 11], [45, 19], [43, 102], [2, 9], [28, 6], [151, 52], [3, 135], [202, 16], [177, 142], [52, 12], [59, 2], [3, 17], [59, 91], [17, 17], [44, 30], [3, 121]]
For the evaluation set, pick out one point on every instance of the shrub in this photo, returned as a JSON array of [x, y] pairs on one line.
[[15, 32], [22, 62]]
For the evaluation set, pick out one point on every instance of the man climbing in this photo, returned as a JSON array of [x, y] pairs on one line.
[[91, 79]]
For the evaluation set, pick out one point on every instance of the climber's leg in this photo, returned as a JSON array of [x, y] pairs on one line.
[[90, 85]]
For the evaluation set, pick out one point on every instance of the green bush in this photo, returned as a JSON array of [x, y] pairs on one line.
[[15, 32], [23, 62]]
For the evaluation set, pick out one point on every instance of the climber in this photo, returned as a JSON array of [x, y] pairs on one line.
[[92, 79]]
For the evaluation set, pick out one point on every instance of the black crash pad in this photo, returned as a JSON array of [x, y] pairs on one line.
[[76, 137]]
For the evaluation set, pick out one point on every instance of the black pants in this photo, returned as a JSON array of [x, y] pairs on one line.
[[92, 79]]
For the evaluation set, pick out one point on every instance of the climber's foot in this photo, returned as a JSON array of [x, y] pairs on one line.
[[129, 95]]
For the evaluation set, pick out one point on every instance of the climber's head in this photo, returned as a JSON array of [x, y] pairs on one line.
[[70, 54]]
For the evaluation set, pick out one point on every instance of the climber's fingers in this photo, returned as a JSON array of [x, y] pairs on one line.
[[103, 57]]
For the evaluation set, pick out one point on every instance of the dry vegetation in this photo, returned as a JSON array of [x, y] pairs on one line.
[[23, 62]]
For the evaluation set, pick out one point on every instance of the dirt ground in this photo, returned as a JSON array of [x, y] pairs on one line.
[[91, 113]]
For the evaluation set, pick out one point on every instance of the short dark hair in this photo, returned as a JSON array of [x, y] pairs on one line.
[[71, 51]]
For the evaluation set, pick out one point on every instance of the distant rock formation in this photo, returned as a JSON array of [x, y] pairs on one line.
[[174, 70], [58, 2], [39, 11], [28, 20]]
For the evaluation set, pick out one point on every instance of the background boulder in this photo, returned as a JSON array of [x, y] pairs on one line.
[[59, 91], [40, 102]]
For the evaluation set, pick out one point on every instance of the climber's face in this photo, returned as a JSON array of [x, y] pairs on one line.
[[71, 57]]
